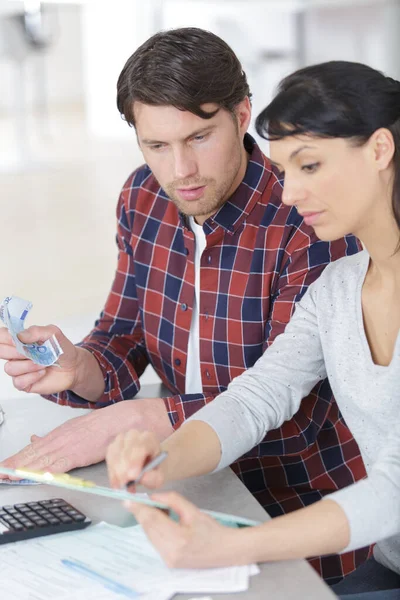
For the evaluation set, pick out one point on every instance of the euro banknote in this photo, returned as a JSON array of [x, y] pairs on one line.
[[13, 312]]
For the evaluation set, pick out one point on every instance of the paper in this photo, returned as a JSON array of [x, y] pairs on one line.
[[67, 481], [13, 312], [32, 569]]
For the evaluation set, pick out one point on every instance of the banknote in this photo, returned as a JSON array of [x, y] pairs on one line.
[[13, 312]]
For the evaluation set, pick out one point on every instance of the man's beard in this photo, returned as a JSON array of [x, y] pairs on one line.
[[215, 194]]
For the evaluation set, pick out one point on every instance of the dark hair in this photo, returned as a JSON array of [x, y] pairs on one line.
[[184, 68], [336, 99]]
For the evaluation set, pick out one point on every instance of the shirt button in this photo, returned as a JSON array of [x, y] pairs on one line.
[[208, 374], [184, 306], [206, 315], [177, 362], [209, 259], [186, 251]]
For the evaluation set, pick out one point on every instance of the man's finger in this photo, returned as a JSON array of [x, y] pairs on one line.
[[38, 334], [24, 382], [5, 336], [15, 368], [8, 352]]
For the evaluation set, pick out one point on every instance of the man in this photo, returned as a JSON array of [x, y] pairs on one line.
[[210, 266]]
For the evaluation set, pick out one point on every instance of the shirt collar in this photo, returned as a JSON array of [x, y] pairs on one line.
[[238, 207]]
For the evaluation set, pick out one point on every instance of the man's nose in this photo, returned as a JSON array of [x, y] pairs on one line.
[[185, 165]]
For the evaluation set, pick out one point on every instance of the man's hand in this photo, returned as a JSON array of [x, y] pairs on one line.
[[30, 377], [127, 456], [196, 542], [84, 440], [77, 368]]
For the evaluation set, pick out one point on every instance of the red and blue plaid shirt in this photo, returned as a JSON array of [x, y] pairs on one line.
[[259, 260]]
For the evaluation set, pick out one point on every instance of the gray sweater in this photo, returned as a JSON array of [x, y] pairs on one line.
[[326, 338]]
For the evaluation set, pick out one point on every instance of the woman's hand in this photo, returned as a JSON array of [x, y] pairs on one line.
[[197, 541], [128, 454]]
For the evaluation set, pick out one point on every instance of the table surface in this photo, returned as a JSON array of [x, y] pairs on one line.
[[221, 491]]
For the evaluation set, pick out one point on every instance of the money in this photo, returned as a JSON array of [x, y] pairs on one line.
[[13, 312]]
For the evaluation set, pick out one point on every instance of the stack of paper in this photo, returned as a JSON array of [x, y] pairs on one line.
[[114, 562]]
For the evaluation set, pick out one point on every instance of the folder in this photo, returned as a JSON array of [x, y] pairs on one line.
[[89, 487]]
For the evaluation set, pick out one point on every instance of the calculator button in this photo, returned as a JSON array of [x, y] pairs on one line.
[[54, 521], [30, 514], [18, 527], [33, 505], [19, 506], [79, 517], [41, 523], [13, 523], [23, 508], [2, 522], [65, 519], [7, 507]]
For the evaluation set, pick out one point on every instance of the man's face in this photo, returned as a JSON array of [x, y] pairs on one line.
[[198, 162]]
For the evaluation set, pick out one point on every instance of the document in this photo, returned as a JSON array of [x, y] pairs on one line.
[[110, 558]]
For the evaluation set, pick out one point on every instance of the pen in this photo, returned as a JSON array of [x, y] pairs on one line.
[[110, 584], [151, 465]]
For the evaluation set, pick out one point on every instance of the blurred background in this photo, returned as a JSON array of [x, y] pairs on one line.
[[64, 150]]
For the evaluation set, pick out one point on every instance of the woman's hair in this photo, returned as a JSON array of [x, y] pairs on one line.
[[336, 99], [184, 68]]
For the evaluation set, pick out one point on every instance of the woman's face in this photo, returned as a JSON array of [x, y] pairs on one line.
[[333, 183]]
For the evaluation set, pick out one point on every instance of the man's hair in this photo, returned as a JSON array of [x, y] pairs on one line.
[[184, 68]]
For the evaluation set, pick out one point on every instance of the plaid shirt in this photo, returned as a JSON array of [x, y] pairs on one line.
[[259, 260]]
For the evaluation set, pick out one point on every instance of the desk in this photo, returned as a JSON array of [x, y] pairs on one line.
[[223, 491]]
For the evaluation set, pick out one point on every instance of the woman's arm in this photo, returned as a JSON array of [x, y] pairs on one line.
[[198, 541], [257, 401]]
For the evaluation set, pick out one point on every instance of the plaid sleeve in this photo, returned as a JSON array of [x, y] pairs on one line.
[[302, 268], [117, 338], [182, 406]]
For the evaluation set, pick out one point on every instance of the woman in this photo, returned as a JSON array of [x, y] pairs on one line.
[[335, 133]]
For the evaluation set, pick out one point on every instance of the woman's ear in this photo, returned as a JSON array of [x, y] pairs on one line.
[[383, 148]]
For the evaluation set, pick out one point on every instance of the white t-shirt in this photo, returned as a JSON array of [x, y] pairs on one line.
[[193, 383]]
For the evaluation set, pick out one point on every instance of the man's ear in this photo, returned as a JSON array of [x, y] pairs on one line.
[[243, 114], [383, 147]]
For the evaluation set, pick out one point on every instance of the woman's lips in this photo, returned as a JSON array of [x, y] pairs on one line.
[[311, 218]]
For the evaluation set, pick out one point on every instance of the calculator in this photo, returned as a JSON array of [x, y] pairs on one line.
[[34, 519]]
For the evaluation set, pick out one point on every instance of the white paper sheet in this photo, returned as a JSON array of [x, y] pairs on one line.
[[32, 569]]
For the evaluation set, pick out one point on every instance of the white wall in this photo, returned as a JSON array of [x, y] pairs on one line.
[[366, 32], [63, 62], [111, 33]]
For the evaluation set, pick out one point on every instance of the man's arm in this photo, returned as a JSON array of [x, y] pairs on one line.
[[116, 343]]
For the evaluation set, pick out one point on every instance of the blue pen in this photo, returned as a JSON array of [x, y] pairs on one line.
[[110, 584]]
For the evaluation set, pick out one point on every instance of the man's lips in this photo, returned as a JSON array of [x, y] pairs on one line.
[[193, 193]]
